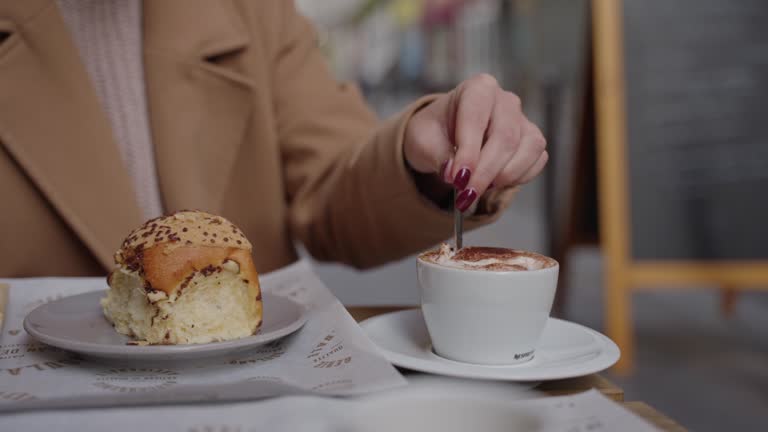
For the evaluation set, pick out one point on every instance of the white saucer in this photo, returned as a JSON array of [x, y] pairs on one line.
[[77, 324], [566, 350]]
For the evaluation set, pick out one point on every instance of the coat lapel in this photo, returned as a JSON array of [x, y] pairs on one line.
[[199, 95], [53, 126]]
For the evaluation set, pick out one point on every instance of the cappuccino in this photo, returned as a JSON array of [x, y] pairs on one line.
[[486, 305], [487, 259]]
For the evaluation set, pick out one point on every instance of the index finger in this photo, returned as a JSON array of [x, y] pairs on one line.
[[474, 104]]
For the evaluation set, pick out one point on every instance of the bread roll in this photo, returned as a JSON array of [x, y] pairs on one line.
[[187, 278]]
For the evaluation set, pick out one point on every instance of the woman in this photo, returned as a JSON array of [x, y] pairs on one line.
[[113, 111]]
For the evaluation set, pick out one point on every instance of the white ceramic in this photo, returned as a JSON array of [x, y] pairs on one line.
[[76, 323], [566, 350], [485, 317]]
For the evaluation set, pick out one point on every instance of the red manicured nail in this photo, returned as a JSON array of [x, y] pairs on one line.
[[465, 199], [445, 171], [462, 178], [442, 169]]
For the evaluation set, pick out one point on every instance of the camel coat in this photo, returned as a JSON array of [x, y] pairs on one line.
[[246, 122]]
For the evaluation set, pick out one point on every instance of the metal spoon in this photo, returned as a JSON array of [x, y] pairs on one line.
[[458, 225]]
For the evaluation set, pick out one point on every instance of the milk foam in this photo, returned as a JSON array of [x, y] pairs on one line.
[[445, 256]]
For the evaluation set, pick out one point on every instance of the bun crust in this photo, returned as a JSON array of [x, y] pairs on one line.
[[168, 250]]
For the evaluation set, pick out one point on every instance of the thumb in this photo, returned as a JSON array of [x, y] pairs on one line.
[[426, 147]]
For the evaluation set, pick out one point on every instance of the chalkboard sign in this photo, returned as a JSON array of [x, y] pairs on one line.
[[681, 98], [697, 128]]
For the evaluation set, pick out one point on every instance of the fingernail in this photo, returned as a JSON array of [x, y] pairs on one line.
[[462, 178], [445, 173], [441, 173], [465, 199]]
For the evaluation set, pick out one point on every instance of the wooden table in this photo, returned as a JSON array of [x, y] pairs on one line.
[[566, 386]]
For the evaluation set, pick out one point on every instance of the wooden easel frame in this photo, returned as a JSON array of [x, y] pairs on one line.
[[622, 273]]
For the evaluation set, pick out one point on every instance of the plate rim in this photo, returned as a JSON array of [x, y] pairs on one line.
[[159, 352], [608, 356]]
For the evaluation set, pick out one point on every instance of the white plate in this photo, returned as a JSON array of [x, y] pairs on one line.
[[77, 324], [566, 350]]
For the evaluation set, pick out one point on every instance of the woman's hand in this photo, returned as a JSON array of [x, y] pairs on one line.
[[475, 137]]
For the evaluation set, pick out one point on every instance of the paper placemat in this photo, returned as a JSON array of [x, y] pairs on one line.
[[330, 355], [418, 407]]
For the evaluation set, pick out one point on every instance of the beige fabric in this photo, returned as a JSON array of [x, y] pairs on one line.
[[246, 122], [107, 34]]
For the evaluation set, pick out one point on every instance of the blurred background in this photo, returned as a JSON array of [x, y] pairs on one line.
[[696, 91]]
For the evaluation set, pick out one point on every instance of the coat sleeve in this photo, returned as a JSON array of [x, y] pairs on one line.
[[350, 195]]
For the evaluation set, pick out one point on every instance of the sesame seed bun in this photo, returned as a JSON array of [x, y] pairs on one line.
[[196, 272]]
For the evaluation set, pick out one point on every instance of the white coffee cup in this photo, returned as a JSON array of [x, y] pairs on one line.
[[485, 316]]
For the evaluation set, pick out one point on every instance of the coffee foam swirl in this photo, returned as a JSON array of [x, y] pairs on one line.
[[487, 258]]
